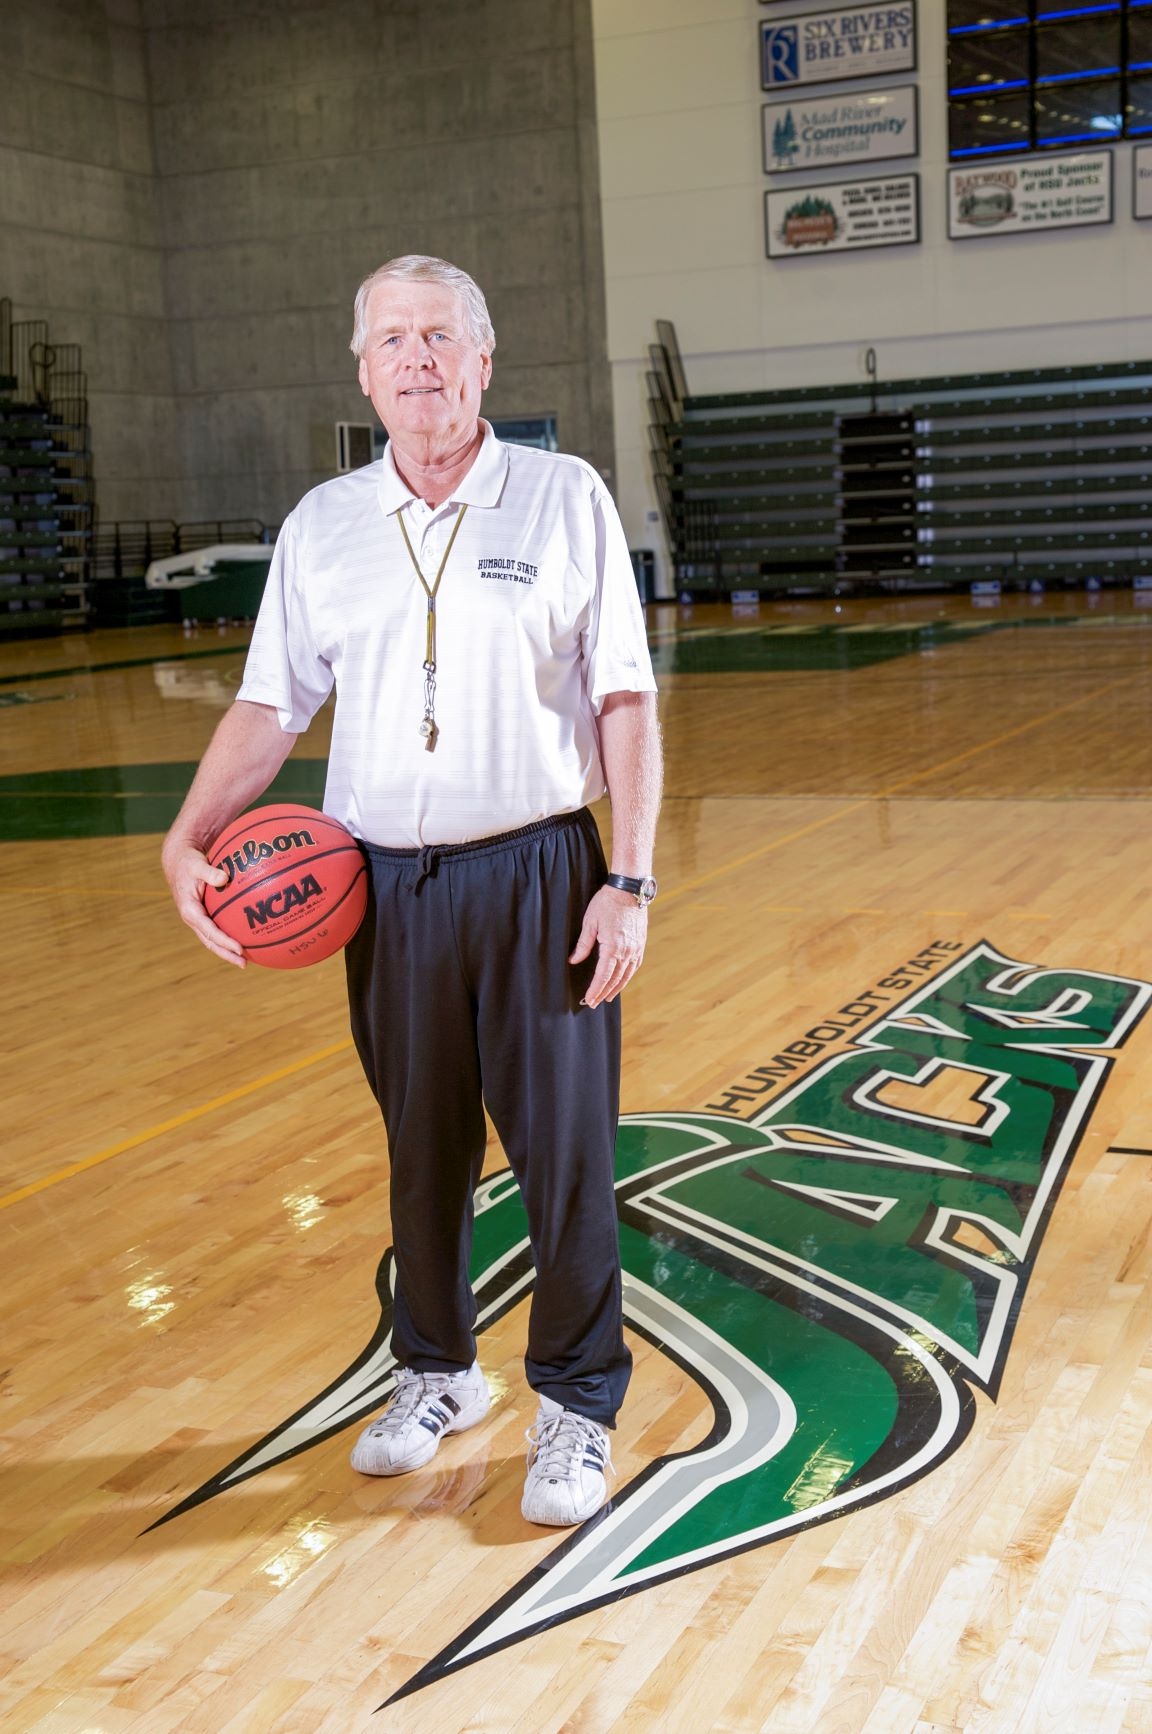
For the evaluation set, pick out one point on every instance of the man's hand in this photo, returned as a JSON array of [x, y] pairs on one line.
[[188, 871], [616, 923], [243, 756]]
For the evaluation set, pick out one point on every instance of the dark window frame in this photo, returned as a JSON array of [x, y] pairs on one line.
[[1040, 19]]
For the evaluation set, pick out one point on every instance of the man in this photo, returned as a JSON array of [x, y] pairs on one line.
[[473, 604]]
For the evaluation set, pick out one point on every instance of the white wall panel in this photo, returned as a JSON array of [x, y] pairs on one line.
[[675, 231], [674, 153], [682, 187], [668, 71], [644, 17]]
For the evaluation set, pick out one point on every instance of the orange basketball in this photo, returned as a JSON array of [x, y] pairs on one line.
[[297, 885]]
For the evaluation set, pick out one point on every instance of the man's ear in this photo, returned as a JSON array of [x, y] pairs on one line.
[[362, 376], [485, 372]]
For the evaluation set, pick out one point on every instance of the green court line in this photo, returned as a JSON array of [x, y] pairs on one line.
[[127, 662], [139, 800], [123, 800], [727, 649]]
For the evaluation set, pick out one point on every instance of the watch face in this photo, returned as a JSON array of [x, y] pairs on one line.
[[648, 889]]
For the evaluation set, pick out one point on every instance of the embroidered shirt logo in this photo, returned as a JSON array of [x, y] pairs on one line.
[[508, 571]]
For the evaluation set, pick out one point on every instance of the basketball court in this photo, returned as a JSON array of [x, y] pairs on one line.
[[885, 1203]]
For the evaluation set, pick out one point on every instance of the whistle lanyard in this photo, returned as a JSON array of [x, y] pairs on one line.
[[428, 729]]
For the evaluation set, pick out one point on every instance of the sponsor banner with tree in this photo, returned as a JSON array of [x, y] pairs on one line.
[[843, 216], [840, 131], [1066, 192]]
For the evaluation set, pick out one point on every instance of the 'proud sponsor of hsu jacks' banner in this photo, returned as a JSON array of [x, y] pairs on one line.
[[1066, 192], [821, 132], [825, 47]]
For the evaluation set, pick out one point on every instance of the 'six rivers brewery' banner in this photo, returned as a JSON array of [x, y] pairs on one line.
[[824, 47]]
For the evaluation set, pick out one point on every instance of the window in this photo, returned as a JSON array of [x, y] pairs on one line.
[[1029, 75], [538, 431], [1077, 50], [1138, 114], [990, 124], [965, 15], [1140, 41], [1080, 113], [987, 60]]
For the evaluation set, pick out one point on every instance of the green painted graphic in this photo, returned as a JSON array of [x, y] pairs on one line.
[[765, 646], [769, 648], [136, 800], [837, 1275], [110, 667], [124, 800]]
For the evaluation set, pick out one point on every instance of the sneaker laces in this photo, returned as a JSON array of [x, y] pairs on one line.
[[411, 1390], [560, 1440]]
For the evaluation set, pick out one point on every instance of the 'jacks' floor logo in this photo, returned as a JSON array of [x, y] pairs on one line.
[[838, 1275]]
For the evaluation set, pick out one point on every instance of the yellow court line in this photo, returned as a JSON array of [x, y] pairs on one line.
[[667, 897], [183, 1119], [85, 891], [670, 896], [677, 891], [1008, 735]]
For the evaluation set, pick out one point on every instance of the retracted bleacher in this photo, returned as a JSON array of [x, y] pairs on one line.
[[1040, 475], [46, 502]]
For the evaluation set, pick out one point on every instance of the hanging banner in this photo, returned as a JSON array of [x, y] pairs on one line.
[[1045, 193], [840, 131], [826, 47], [1142, 181], [843, 217]]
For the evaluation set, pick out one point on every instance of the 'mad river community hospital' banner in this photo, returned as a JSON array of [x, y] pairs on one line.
[[825, 47], [821, 132]]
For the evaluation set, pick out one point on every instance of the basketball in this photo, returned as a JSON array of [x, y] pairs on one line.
[[297, 885]]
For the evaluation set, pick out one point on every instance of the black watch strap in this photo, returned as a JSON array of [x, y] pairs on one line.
[[643, 890]]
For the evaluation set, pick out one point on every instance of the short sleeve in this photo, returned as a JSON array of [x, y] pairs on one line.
[[284, 668], [615, 642]]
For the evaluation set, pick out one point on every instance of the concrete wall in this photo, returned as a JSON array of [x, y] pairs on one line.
[[193, 192], [79, 227], [301, 143], [679, 100]]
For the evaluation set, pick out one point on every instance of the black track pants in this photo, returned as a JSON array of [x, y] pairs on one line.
[[461, 994]]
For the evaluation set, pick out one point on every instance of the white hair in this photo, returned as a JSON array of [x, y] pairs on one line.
[[423, 268]]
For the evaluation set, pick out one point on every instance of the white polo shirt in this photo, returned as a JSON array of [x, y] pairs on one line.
[[537, 621]]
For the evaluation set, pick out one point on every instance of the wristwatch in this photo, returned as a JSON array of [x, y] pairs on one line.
[[643, 890]]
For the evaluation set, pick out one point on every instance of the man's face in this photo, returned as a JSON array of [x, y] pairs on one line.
[[420, 366]]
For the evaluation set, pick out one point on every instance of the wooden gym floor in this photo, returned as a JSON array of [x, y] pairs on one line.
[[194, 1210]]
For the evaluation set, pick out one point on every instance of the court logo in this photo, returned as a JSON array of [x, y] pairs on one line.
[[839, 1275]]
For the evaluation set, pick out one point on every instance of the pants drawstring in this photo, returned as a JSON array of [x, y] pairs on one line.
[[427, 862]]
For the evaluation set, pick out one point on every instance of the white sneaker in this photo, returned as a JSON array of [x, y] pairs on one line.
[[423, 1407], [568, 1459]]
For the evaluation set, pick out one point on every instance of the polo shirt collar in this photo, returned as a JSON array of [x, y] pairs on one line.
[[482, 486]]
